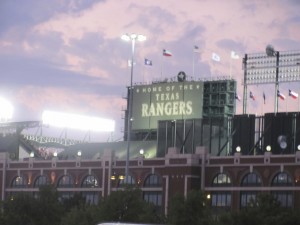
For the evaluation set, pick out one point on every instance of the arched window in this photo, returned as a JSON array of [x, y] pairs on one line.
[[90, 181], [154, 196], [249, 180], [221, 199], [221, 180], [91, 197], [153, 180], [122, 182], [65, 182], [282, 179], [19, 182], [41, 180], [285, 197]]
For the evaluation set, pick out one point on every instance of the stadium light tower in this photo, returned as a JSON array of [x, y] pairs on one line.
[[133, 38], [270, 67]]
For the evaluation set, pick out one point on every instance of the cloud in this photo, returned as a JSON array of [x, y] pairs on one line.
[[71, 50]]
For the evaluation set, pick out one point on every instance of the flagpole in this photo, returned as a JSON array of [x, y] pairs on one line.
[[262, 109], [230, 68], [143, 71], [286, 104], [193, 62], [298, 104], [264, 97], [161, 67]]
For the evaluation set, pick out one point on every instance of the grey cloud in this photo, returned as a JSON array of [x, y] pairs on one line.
[[26, 13], [17, 72], [230, 44]]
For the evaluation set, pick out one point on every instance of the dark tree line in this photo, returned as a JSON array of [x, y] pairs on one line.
[[47, 208], [127, 205]]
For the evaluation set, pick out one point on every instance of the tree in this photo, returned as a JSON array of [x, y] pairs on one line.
[[85, 215], [128, 206], [19, 210], [49, 209], [194, 209], [76, 201], [23, 208], [264, 210]]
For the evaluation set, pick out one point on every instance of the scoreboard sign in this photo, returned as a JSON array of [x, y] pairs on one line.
[[166, 101]]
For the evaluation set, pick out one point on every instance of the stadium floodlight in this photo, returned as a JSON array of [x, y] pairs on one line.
[[6, 110], [133, 38], [78, 122], [268, 148], [138, 37], [270, 67], [142, 152]]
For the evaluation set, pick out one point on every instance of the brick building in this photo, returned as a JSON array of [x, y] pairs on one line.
[[229, 181]]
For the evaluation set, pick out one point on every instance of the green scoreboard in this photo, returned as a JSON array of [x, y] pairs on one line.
[[166, 101]]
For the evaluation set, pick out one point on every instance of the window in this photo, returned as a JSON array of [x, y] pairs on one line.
[[282, 179], [247, 197], [19, 182], [249, 180], [153, 181], [41, 180], [285, 198], [221, 180], [221, 199], [91, 197], [65, 182], [153, 196], [131, 181], [90, 181]]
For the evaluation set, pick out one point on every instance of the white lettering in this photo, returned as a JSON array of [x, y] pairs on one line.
[[145, 110], [174, 108], [189, 108]]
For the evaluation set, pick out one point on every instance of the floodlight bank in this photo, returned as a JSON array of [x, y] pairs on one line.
[[6, 111], [78, 122]]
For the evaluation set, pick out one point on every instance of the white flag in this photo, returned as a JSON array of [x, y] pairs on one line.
[[129, 63], [215, 57], [234, 55]]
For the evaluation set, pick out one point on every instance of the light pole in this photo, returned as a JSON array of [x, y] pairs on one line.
[[133, 38]]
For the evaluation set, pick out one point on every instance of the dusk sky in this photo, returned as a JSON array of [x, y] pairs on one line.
[[67, 55]]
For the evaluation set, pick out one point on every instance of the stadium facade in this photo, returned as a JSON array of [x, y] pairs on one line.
[[184, 136]]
